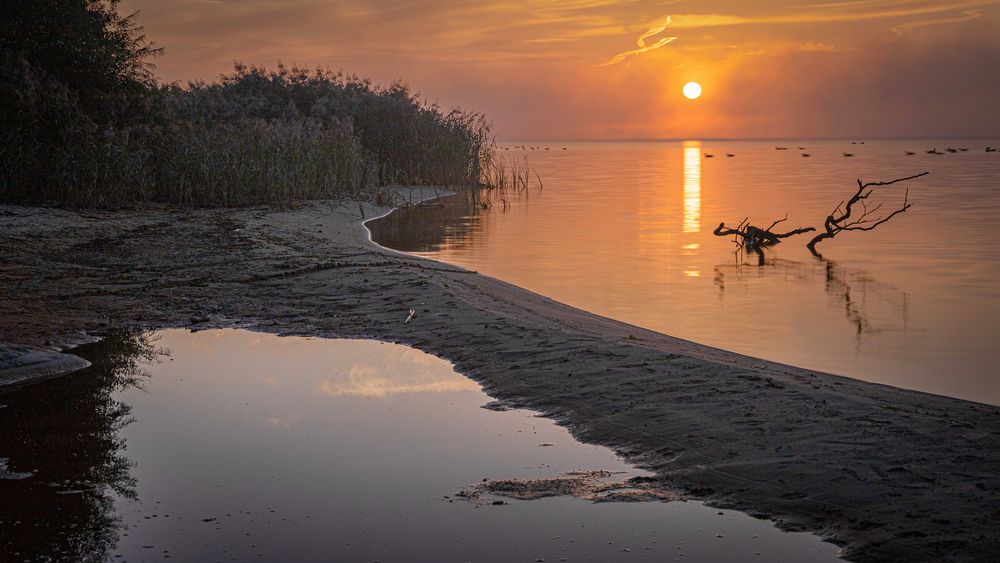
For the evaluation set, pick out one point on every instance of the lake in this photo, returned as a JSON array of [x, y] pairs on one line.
[[232, 445], [624, 230]]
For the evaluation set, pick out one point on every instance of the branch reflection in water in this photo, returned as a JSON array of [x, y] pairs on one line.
[[64, 437], [871, 307]]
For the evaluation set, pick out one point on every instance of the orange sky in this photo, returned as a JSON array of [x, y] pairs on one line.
[[598, 69]]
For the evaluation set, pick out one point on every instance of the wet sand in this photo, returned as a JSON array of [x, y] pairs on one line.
[[888, 473]]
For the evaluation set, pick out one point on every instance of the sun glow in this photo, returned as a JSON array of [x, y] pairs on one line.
[[692, 90]]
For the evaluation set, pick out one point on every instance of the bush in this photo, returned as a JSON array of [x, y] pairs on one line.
[[255, 136]]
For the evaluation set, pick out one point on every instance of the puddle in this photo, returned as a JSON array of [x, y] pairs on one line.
[[245, 446]]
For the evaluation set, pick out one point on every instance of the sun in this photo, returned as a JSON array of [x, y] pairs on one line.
[[692, 90]]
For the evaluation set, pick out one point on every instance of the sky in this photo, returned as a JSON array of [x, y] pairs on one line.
[[599, 69]]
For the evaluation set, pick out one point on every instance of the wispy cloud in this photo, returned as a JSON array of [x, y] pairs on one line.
[[905, 28], [833, 13], [655, 29]]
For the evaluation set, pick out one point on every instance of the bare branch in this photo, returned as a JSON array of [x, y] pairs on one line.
[[877, 222], [843, 219], [776, 222], [897, 180], [723, 231]]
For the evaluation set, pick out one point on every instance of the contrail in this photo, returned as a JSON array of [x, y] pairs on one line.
[[641, 43]]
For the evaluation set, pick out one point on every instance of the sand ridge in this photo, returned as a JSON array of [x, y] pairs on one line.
[[889, 474]]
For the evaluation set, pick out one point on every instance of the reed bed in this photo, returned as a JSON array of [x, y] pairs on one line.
[[254, 137], [502, 178]]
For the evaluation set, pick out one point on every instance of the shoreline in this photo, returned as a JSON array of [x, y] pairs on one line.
[[887, 473], [422, 195], [705, 351]]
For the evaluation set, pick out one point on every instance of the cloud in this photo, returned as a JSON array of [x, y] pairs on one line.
[[930, 84], [372, 382], [278, 423], [908, 27], [847, 12], [641, 43], [819, 46]]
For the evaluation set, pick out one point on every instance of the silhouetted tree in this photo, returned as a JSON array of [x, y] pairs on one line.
[[100, 57], [71, 72]]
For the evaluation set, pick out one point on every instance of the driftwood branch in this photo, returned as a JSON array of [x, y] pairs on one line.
[[754, 237], [856, 214], [751, 238]]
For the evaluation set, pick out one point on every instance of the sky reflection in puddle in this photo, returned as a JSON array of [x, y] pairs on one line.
[[246, 446]]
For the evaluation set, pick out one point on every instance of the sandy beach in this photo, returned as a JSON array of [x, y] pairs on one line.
[[887, 473]]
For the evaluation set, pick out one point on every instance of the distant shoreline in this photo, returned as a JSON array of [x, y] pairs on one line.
[[995, 140], [890, 474]]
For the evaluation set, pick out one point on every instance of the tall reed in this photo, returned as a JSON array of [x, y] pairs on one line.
[[255, 136], [501, 178]]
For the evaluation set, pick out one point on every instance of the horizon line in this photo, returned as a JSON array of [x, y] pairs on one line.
[[791, 138]]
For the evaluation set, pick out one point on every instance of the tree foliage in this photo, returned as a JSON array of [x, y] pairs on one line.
[[84, 122], [100, 57]]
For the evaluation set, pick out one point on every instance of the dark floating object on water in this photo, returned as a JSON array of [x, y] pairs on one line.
[[564, 148], [853, 143], [949, 149], [909, 153], [848, 154], [806, 154], [781, 148], [990, 149], [963, 149], [934, 151], [731, 155], [802, 148], [709, 155]]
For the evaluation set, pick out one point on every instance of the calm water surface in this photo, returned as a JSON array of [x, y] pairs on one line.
[[250, 447], [624, 230]]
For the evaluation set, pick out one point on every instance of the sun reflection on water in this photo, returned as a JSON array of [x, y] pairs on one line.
[[692, 187], [691, 223]]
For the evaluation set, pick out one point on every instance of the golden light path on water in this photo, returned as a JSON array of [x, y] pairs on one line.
[[692, 187], [691, 216]]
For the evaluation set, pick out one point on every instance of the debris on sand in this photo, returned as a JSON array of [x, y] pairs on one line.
[[496, 406], [587, 485], [14, 475]]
